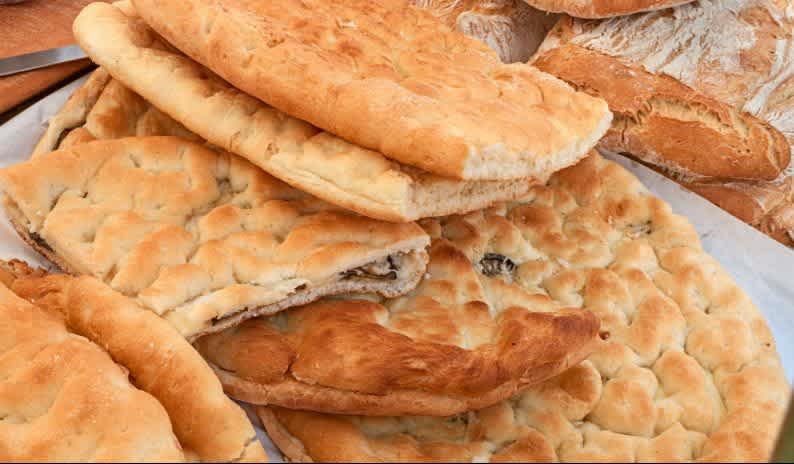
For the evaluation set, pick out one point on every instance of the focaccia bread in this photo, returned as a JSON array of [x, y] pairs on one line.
[[132, 390], [292, 150], [389, 77], [203, 239], [102, 108], [702, 91], [512, 28], [603, 8], [685, 367], [464, 339]]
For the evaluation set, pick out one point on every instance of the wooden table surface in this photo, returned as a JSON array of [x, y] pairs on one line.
[[32, 26]]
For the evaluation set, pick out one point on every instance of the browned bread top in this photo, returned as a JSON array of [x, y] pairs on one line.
[[392, 78], [685, 367], [603, 8], [464, 339], [199, 237]]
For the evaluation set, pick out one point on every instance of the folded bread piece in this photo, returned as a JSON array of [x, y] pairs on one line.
[[603, 8], [132, 390], [464, 339], [685, 367], [389, 77], [203, 239], [702, 91], [292, 150], [512, 28]]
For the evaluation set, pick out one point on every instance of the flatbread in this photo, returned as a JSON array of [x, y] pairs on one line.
[[685, 366], [460, 341], [603, 8], [389, 77], [103, 109], [68, 398], [203, 239], [289, 149]]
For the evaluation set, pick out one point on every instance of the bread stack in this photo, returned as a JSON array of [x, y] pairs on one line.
[[393, 244]]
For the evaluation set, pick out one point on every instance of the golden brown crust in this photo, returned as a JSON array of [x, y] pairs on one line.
[[292, 150], [685, 366], [159, 359], [664, 122], [64, 398], [73, 114], [729, 57], [445, 348], [767, 206], [602, 8], [392, 78], [198, 236]]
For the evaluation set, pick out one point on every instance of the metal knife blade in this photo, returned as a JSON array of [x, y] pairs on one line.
[[44, 58]]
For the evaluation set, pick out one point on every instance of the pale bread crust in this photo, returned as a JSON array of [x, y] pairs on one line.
[[391, 78], [162, 363], [735, 53], [685, 368], [133, 211], [317, 162], [512, 28], [603, 8], [449, 346], [64, 398]]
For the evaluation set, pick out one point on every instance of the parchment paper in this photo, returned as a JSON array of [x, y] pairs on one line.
[[763, 267]]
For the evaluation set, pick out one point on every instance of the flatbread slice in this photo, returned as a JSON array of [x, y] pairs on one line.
[[390, 77], [132, 390], [203, 239], [289, 149], [685, 367], [462, 340]]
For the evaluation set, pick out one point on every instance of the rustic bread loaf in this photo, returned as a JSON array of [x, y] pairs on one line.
[[703, 91], [603, 8]]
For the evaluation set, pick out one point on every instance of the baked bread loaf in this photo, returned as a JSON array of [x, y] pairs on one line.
[[389, 77], [464, 339], [292, 150], [685, 367], [203, 239], [603, 8], [702, 91], [70, 398], [512, 28]]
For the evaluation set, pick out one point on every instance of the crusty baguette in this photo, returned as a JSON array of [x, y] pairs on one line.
[[391, 78], [728, 65], [767, 206], [667, 123], [602, 8]]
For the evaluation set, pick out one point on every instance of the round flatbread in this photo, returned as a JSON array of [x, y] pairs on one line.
[[464, 339], [685, 367]]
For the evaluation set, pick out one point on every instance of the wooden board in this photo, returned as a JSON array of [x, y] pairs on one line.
[[31, 26]]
